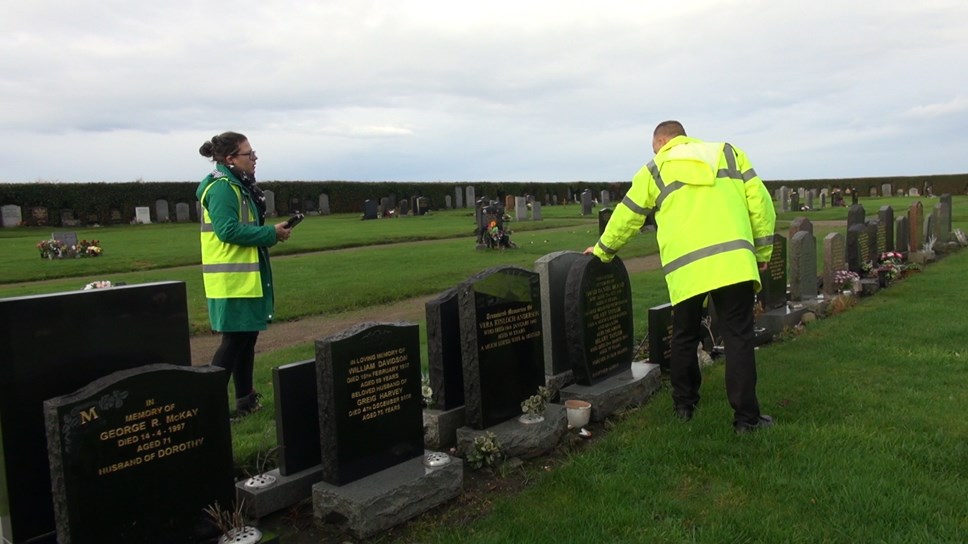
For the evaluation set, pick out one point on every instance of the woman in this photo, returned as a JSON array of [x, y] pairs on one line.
[[235, 259]]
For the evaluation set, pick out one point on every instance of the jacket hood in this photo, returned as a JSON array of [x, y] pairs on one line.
[[690, 153]]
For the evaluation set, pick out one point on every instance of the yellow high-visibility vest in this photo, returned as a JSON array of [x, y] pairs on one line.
[[714, 215], [229, 270]]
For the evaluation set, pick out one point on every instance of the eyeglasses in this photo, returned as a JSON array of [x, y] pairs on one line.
[[250, 154]]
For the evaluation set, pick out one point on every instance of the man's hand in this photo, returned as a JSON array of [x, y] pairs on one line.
[[589, 251]]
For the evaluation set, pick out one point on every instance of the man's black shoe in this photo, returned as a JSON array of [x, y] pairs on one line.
[[684, 413], [765, 422]]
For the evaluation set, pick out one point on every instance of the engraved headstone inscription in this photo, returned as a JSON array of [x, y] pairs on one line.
[[773, 280], [803, 266], [858, 247], [834, 259], [660, 335], [503, 351], [55, 344], [598, 319], [162, 426], [370, 415]]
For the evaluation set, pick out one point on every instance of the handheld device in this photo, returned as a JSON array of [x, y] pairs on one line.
[[294, 220]]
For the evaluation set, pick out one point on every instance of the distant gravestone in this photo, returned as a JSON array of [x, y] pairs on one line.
[[520, 208], [931, 225], [834, 259], [37, 216], [784, 198], [795, 201], [598, 319], [913, 191], [799, 224], [873, 243], [162, 426], [503, 352], [69, 239], [469, 195], [856, 215], [459, 198], [423, 205], [297, 416], [509, 203], [886, 189], [872, 191], [803, 266], [161, 211], [901, 233], [370, 419], [182, 212], [604, 215], [404, 208], [885, 217], [142, 215], [586, 202], [858, 247], [854, 197], [68, 218], [448, 204], [553, 271], [774, 279], [604, 199], [116, 217], [916, 226], [660, 335], [324, 204], [270, 203], [369, 209], [946, 200], [12, 215], [144, 324], [444, 365], [810, 198], [536, 211], [943, 210]]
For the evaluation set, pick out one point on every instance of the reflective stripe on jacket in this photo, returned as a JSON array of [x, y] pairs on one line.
[[229, 270], [714, 217]]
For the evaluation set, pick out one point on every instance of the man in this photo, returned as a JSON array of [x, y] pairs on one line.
[[715, 223]]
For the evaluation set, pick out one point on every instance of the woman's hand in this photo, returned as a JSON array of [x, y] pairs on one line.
[[282, 233]]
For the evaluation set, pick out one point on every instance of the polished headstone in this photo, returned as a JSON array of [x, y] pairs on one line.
[[773, 280], [297, 416], [553, 271], [660, 335], [444, 366]]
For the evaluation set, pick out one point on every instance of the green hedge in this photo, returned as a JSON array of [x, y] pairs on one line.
[[108, 203]]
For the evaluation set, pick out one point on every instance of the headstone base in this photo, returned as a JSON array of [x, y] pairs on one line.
[[387, 498], [285, 492], [440, 427], [524, 440], [869, 286], [616, 393], [776, 320], [556, 382]]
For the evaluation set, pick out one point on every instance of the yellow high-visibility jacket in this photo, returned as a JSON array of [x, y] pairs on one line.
[[714, 216]]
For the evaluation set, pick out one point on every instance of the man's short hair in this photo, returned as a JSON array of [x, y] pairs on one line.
[[669, 129]]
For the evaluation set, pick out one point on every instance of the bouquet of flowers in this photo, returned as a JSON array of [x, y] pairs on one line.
[[890, 263], [844, 278], [56, 249]]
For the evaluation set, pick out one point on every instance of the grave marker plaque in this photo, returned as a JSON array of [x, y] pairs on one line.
[[598, 319], [161, 427], [370, 414], [85, 335], [297, 416], [503, 350], [444, 351]]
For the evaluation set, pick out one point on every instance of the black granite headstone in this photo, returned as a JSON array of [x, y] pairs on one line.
[[370, 415], [138, 455], [886, 218], [55, 344], [598, 319], [500, 324], [660, 335], [369, 209], [444, 351], [773, 280], [297, 416], [553, 271], [856, 215], [858, 247], [603, 217]]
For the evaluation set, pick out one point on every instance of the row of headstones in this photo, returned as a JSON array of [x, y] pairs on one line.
[[388, 206], [12, 215], [790, 199]]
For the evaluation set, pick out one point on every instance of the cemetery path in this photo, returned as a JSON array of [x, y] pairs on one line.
[[308, 329]]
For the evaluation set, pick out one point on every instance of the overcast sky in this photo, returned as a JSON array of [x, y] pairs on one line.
[[421, 90]]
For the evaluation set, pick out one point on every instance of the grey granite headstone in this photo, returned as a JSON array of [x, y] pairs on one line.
[[799, 224], [470, 199], [586, 202], [810, 198], [270, 203], [834, 259], [509, 203], [598, 319], [536, 211], [368, 378], [803, 266], [784, 198], [502, 345], [324, 204], [68, 218], [946, 200], [520, 208], [553, 271], [886, 189], [458, 198], [916, 226], [604, 198], [943, 210], [161, 211], [68, 238], [885, 217], [447, 203], [795, 201], [138, 455], [182, 212], [823, 200], [404, 208], [931, 225], [856, 215], [142, 214], [873, 242], [913, 191], [901, 233], [12, 215]]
